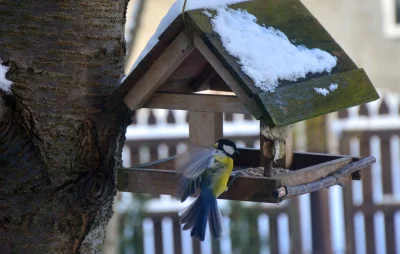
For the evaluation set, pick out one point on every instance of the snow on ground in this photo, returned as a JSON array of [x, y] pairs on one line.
[[5, 84], [174, 11], [266, 54]]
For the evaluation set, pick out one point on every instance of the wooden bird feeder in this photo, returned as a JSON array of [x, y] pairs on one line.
[[189, 69]]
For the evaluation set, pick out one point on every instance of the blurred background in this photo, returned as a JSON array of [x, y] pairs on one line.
[[362, 217]]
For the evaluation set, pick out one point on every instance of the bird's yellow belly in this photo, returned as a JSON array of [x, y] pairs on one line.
[[222, 181]]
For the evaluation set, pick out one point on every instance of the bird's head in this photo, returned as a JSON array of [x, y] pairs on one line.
[[228, 147]]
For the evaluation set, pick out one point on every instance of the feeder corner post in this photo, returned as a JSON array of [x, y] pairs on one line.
[[276, 147]]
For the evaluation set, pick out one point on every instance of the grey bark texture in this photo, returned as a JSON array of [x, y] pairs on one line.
[[59, 146]]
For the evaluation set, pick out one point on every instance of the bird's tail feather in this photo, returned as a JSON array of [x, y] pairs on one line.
[[196, 215]]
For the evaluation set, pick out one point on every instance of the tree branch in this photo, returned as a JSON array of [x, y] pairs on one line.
[[336, 178]]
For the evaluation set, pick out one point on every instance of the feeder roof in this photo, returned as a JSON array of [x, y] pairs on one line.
[[341, 86]]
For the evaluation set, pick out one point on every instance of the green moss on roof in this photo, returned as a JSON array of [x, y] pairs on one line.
[[292, 101]]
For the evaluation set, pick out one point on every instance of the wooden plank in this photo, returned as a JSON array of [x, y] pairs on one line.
[[158, 73], [203, 78], [205, 128], [390, 233], [319, 200], [258, 189], [220, 69], [250, 157], [297, 102], [320, 214], [348, 205], [368, 197], [216, 83], [370, 209], [176, 86], [228, 78], [370, 233], [191, 67], [197, 102], [177, 233], [196, 246], [295, 225], [273, 235], [158, 239], [165, 39], [386, 156], [311, 174]]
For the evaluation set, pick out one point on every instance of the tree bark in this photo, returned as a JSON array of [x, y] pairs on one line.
[[59, 146]]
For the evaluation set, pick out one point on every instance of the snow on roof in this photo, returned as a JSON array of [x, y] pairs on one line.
[[5, 84], [333, 87], [266, 54], [321, 91], [324, 91], [174, 11]]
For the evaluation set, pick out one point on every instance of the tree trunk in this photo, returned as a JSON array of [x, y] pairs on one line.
[[59, 146]]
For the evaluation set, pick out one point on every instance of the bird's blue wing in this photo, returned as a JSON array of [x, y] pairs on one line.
[[194, 162], [187, 187], [191, 165]]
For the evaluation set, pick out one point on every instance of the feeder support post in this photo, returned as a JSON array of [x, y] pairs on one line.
[[205, 127], [276, 147]]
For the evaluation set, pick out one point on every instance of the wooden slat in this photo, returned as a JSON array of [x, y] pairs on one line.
[[368, 196], [150, 181], [273, 235], [176, 86], [196, 246], [348, 205], [390, 233], [370, 209], [386, 156], [258, 189], [205, 127], [203, 78], [165, 39], [158, 239], [295, 225], [370, 233], [311, 174], [158, 73], [216, 83], [250, 157], [177, 233], [228, 78], [320, 214], [197, 102], [319, 200], [303, 160], [220, 69]]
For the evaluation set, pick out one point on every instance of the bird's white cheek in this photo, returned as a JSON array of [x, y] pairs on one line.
[[228, 149]]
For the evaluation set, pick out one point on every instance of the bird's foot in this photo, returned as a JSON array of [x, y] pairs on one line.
[[234, 176]]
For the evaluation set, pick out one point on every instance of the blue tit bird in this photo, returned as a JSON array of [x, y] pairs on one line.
[[206, 169]]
